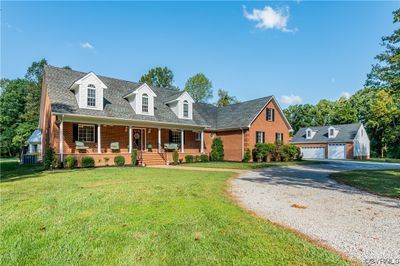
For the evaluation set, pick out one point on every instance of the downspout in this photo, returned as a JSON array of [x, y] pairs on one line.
[[242, 143]]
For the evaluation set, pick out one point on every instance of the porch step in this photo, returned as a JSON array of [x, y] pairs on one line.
[[153, 159]]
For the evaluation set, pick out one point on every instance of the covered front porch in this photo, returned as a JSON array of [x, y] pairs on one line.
[[104, 140]]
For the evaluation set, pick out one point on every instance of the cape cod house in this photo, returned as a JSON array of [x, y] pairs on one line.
[[349, 141], [85, 114]]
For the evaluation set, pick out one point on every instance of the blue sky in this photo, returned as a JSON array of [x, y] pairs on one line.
[[309, 50]]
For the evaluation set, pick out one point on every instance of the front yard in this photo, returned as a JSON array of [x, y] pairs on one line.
[[139, 215], [381, 182], [247, 166]]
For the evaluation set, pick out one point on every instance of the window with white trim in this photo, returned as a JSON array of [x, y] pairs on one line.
[[91, 95], [309, 134], [279, 137], [270, 114], [197, 136], [260, 136], [176, 137], [86, 133], [185, 109], [145, 103], [331, 132]]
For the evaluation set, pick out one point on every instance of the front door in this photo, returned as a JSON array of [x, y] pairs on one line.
[[137, 139]]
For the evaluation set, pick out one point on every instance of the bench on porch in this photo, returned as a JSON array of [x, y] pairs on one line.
[[171, 146], [80, 145], [114, 145]]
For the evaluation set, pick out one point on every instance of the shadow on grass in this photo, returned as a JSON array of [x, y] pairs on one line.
[[12, 171]]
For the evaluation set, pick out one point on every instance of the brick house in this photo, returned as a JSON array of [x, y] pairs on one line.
[[86, 114], [349, 141]]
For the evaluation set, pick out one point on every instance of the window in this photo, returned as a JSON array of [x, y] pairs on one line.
[[260, 135], [308, 134], [91, 95], [331, 132], [86, 133], [270, 114], [145, 103], [176, 137], [197, 136], [185, 109], [279, 137]]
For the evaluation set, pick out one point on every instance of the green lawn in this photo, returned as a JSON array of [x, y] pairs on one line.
[[384, 160], [382, 182], [245, 166], [120, 216], [10, 168]]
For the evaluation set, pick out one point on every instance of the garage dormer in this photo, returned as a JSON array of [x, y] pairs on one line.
[[310, 133], [182, 105], [332, 132], [89, 92], [142, 100]]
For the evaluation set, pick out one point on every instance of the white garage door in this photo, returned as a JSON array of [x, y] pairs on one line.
[[337, 151], [313, 152]]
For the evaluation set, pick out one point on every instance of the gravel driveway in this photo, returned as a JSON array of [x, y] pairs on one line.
[[362, 225]]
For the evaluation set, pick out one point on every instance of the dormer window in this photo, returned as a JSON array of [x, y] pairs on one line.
[[310, 133], [91, 95], [185, 109], [332, 132], [145, 103]]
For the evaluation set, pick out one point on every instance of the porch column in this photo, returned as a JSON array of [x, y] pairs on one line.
[[202, 141], [159, 139], [98, 138], [130, 139], [182, 140], [62, 140]]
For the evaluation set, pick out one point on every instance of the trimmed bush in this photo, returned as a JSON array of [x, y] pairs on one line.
[[189, 158], [263, 150], [175, 156], [134, 157], [204, 158], [197, 158], [290, 152], [217, 150], [247, 156], [87, 162], [71, 161], [119, 160], [50, 160]]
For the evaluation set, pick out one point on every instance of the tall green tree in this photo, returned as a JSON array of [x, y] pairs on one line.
[[199, 87], [225, 99], [160, 77]]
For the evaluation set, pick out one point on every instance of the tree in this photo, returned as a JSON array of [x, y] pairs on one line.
[[160, 77], [217, 150], [199, 87], [225, 99]]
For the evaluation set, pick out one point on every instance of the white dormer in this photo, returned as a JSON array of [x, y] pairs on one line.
[[310, 133], [182, 106], [142, 100], [332, 132], [89, 92]]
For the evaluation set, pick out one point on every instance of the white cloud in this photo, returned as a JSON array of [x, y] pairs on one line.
[[345, 94], [269, 18], [87, 45], [291, 99]]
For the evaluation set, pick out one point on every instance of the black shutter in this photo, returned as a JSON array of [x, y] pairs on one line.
[[263, 136], [273, 114], [184, 137], [170, 136], [276, 137], [74, 132], [95, 133], [282, 137], [256, 136]]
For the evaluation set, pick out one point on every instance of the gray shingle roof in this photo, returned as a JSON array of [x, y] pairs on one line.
[[63, 101], [346, 133]]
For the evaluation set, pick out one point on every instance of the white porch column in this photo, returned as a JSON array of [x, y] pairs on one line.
[[98, 138], [159, 139], [130, 139], [202, 141], [182, 140], [62, 140]]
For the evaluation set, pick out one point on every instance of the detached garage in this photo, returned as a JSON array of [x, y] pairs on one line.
[[338, 142]]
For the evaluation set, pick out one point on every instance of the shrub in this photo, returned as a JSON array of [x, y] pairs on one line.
[[197, 158], [290, 152], [189, 158], [247, 156], [217, 150], [119, 160], [277, 153], [106, 159], [204, 158], [87, 162], [134, 157], [50, 160], [71, 161], [265, 149], [175, 156]]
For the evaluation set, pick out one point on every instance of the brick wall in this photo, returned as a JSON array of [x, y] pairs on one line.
[[232, 141]]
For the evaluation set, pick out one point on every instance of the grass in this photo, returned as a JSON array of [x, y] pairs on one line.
[[120, 216], [384, 160], [10, 168], [247, 166], [381, 182]]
